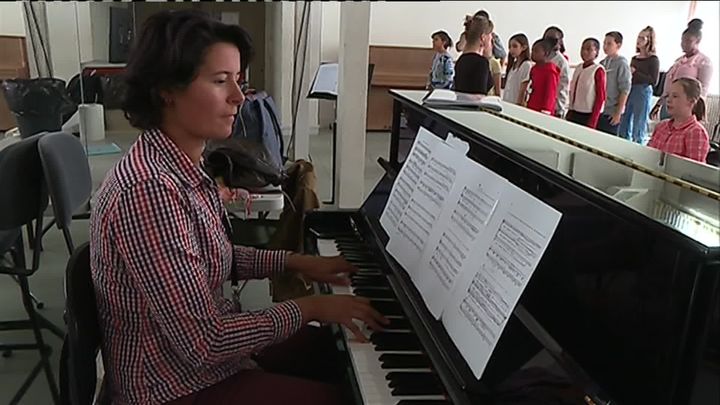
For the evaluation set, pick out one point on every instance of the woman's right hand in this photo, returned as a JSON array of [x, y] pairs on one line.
[[342, 309]]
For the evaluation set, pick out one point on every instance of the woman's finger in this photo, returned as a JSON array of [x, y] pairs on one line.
[[352, 326]]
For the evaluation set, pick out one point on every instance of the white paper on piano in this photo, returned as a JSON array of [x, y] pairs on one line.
[[427, 201], [442, 98], [491, 282], [461, 226], [407, 179], [325, 84], [457, 143]]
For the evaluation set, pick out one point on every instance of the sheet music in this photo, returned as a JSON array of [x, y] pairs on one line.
[[469, 207], [408, 179], [425, 205], [326, 80], [491, 282]]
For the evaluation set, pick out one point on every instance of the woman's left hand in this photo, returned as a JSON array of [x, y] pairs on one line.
[[334, 270]]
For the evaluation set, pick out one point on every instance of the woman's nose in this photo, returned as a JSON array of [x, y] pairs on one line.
[[236, 94]]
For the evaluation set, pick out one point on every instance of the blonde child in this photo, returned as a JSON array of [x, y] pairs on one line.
[[683, 134]]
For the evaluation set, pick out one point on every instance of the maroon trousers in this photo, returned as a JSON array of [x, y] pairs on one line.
[[305, 369]]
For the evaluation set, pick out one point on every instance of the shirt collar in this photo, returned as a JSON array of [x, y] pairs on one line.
[[174, 158], [692, 121]]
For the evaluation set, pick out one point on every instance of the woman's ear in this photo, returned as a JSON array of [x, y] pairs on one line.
[[166, 97]]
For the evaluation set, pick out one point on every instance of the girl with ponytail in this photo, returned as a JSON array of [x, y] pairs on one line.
[[683, 134]]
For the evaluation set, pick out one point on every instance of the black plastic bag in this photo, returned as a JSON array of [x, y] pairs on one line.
[[38, 104], [241, 163]]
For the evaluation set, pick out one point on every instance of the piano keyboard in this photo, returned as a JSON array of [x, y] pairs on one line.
[[392, 368]]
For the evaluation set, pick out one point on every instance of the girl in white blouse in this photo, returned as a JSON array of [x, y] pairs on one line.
[[517, 75]]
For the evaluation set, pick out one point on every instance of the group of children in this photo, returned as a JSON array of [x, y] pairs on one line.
[[612, 96]]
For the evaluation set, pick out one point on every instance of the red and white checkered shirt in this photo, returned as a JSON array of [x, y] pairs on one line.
[[159, 257], [689, 140]]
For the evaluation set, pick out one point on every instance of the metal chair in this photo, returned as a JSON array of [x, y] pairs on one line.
[[67, 175], [81, 346], [23, 200]]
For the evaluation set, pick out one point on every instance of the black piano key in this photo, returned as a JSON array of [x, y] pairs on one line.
[[398, 360], [359, 256], [348, 239], [365, 265], [387, 308], [397, 323], [352, 247], [392, 341], [368, 281], [409, 378], [423, 402], [417, 390], [374, 292]]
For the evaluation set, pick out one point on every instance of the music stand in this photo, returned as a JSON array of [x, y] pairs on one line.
[[324, 87]]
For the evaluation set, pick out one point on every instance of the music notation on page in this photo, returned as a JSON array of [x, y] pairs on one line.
[[493, 279], [469, 206], [425, 206]]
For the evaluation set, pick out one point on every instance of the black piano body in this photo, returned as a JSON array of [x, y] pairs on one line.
[[623, 303]]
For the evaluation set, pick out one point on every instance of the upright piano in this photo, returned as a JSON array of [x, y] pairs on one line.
[[622, 308]]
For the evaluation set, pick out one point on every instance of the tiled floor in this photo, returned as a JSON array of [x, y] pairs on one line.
[[47, 284]]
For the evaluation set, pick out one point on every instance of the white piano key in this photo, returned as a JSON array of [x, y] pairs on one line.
[[365, 360]]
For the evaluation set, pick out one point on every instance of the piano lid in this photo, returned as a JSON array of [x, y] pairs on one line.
[[674, 192]]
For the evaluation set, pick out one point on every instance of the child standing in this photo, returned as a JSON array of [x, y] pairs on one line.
[[683, 134], [587, 88], [517, 75], [645, 68], [472, 70], [495, 64], [544, 77], [443, 67], [560, 60], [617, 70]]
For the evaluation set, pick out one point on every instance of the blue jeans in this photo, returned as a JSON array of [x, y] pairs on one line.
[[633, 124]]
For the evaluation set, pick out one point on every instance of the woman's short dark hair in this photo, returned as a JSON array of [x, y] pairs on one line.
[[167, 55]]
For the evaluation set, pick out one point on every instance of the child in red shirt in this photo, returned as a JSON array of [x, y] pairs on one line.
[[544, 77], [683, 134]]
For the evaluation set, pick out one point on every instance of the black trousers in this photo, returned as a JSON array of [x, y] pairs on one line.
[[579, 117]]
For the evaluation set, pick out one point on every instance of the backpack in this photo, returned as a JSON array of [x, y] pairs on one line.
[[258, 122]]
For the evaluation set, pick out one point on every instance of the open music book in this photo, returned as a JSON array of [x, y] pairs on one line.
[[442, 98], [469, 239]]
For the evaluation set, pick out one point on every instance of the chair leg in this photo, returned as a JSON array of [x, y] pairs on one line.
[[68, 240], [18, 257], [26, 384], [38, 304], [44, 353]]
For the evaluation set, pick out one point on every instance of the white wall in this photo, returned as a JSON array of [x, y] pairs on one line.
[[12, 18], [411, 23]]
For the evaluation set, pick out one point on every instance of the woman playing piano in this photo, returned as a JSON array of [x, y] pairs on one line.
[[160, 254]]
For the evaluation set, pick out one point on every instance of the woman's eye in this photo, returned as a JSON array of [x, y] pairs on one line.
[[219, 81]]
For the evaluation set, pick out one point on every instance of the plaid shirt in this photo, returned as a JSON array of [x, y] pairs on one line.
[[690, 140], [159, 257]]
